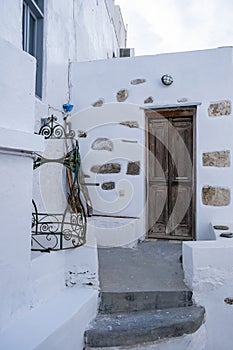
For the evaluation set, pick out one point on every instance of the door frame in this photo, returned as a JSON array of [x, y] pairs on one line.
[[183, 111]]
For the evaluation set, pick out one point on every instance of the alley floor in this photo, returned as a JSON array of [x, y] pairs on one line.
[[150, 266]]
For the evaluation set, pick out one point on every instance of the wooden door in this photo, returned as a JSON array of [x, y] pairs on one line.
[[170, 173]]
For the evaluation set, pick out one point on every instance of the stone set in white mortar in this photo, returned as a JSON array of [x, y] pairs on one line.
[[219, 109], [213, 195], [216, 159]]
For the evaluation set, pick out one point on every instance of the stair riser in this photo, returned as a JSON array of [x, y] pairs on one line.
[[139, 301], [145, 328]]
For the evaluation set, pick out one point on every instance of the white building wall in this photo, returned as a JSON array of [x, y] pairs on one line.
[[196, 79], [33, 289], [27, 286], [17, 143], [208, 272], [82, 31], [17, 103], [11, 22], [207, 264], [127, 198], [119, 27]]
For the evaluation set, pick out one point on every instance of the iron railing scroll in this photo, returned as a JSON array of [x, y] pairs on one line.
[[58, 231]]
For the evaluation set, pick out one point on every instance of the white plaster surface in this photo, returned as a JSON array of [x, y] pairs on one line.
[[16, 126], [195, 79], [37, 310], [16, 88], [216, 233], [15, 140], [46, 276], [82, 31], [56, 325], [102, 17], [41, 282], [59, 304], [208, 268], [51, 273], [82, 264], [50, 185], [128, 197], [15, 194], [116, 232], [11, 21]]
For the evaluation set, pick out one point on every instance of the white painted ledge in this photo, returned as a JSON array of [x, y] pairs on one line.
[[208, 272], [207, 261], [50, 272], [174, 105], [16, 141], [222, 240], [116, 232], [47, 276], [56, 325]]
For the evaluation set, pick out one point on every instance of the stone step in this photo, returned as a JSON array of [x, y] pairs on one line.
[[134, 328], [112, 302]]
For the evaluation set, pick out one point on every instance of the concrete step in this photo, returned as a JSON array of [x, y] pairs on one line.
[[134, 328], [150, 266], [112, 302]]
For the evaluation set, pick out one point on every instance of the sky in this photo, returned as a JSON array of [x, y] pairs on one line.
[[160, 26]]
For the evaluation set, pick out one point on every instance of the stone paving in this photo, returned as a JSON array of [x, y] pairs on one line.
[[151, 266], [143, 298]]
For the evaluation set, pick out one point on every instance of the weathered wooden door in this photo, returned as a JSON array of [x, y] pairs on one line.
[[171, 173]]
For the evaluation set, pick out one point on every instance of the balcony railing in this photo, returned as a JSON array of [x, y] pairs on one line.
[[57, 231]]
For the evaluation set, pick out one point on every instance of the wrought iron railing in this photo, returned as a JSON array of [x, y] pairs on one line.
[[56, 231]]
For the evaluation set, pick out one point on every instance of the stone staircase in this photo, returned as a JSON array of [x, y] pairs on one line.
[[143, 298]]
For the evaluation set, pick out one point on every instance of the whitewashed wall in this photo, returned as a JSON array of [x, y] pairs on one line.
[[127, 198], [201, 76], [33, 290], [208, 272], [17, 142], [85, 30], [82, 31], [11, 22]]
